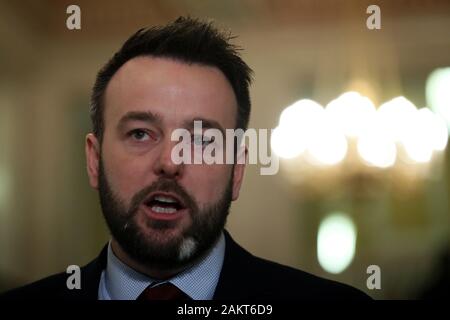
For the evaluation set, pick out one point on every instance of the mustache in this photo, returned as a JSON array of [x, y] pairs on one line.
[[163, 185]]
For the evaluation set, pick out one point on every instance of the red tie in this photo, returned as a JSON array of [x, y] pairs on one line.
[[165, 291]]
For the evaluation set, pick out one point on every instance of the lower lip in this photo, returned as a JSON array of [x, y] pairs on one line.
[[163, 216]]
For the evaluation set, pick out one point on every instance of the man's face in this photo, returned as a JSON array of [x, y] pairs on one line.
[[159, 212]]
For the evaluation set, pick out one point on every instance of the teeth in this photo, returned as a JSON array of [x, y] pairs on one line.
[[165, 199], [163, 210]]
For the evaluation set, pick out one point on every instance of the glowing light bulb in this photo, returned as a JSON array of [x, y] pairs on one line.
[[336, 242], [351, 112], [438, 93]]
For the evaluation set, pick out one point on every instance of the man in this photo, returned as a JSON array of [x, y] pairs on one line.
[[167, 219]]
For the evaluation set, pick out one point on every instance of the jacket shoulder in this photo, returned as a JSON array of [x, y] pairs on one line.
[[55, 287], [52, 287], [247, 276], [291, 283]]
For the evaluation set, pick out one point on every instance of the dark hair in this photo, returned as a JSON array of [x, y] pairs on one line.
[[185, 39]]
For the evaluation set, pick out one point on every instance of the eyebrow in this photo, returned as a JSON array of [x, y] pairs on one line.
[[206, 123], [153, 118], [146, 116]]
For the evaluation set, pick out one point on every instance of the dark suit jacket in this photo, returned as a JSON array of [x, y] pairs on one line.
[[243, 276]]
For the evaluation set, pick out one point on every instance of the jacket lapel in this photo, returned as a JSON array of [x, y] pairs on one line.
[[236, 272], [90, 277]]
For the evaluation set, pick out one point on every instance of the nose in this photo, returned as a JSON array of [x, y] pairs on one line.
[[163, 165]]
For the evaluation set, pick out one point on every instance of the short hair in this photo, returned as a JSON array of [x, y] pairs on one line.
[[187, 40]]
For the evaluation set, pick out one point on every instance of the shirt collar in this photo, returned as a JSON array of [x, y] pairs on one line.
[[121, 282]]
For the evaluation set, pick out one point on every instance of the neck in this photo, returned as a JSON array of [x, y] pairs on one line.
[[152, 272]]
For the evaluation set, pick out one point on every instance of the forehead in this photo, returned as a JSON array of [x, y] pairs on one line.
[[174, 90]]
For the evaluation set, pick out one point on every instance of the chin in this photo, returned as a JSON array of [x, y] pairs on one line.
[[161, 232]]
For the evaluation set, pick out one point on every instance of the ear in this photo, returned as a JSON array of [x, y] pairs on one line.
[[92, 149], [238, 171]]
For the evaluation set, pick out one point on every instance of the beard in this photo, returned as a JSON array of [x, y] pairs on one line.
[[158, 246]]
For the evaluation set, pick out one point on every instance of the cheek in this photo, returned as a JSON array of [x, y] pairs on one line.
[[208, 183], [125, 175]]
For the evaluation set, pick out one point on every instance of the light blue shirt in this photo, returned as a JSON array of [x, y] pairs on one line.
[[120, 282]]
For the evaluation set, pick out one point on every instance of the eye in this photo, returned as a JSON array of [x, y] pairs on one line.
[[139, 135]]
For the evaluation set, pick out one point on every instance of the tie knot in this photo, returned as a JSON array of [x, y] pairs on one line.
[[165, 291]]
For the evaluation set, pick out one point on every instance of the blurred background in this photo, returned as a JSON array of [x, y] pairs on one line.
[[365, 181]]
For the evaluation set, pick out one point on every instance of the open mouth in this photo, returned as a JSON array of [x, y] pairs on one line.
[[164, 204]]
